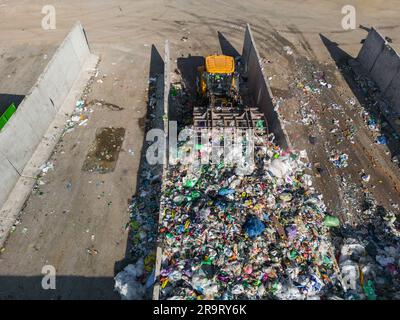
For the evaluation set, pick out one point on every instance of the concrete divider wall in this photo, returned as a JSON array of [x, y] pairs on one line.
[[392, 93], [8, 177], [22, 134], [386, 66], [371, 49], [260, 90], [167, 87], [382, 62]]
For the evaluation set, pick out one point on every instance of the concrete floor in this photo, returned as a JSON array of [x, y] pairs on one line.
[[76, 210], [57, 226]]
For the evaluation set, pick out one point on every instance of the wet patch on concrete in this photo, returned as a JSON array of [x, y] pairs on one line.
[[104, 151], [108, 105]]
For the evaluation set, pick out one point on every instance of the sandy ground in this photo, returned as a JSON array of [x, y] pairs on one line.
[[77, 221]]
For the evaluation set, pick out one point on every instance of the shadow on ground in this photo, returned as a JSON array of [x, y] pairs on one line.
[[7, 99], [67, 288], [188, 67], [226, 47], [148, 176]]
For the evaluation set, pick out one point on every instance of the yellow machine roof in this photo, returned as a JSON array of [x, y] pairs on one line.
[[220, 64]]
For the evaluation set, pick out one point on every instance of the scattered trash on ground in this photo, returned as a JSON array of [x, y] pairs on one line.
[[340, 160], [46, 167], [288, 50]]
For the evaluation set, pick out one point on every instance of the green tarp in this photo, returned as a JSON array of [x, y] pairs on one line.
[[7, 115]]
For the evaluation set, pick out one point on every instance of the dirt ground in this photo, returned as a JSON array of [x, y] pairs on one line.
[[77, 220]]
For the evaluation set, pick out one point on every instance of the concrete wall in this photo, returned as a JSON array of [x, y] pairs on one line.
[[167, 87], [9, 176], [371, 49], [22, 134], [260, 90], [392, 93], [382, 62]]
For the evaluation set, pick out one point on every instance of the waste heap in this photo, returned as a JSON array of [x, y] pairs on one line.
[[370, 254], [260, 236]]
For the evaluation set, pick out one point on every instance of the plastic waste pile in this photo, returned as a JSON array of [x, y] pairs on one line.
[[127, 283], [369, 255], [258, 236]]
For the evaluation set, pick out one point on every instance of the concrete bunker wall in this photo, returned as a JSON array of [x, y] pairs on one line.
[[23, 133], [167, 87], [260, 90], [382, 62]]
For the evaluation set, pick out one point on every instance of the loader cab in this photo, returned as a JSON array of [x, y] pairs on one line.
[[217, 77], [219, 84]]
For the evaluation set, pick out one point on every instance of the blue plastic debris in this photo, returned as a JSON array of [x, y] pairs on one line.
[[253, 226], [381, 140], [266, 216], [371, 123], [151, 279], [225, 192]]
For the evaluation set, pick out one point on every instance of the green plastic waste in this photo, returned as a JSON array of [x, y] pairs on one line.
[[260, 124], [174, 92], [331, 221], [369, 290], [207, 261], [190, 183], [193, 196], [257, 283], [275, 287], [293, 254], [327, 261], [134, 225]]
